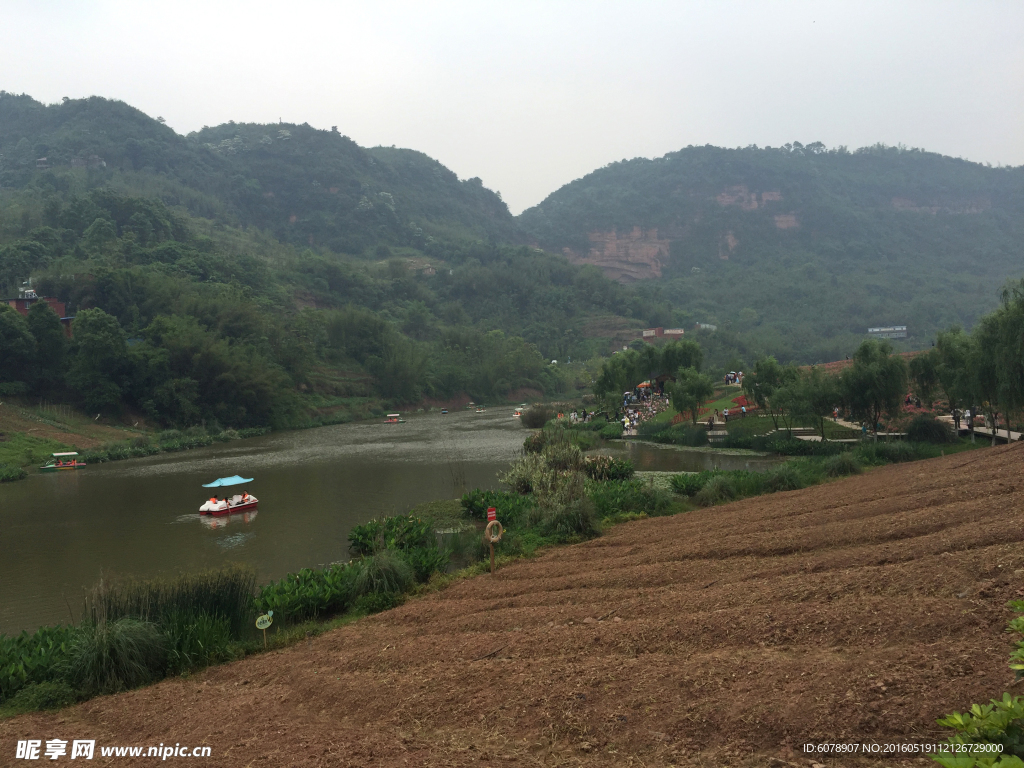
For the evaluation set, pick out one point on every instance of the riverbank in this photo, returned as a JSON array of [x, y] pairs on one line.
[[579, 656]]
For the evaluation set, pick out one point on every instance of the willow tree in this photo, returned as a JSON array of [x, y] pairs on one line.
[[875, 384]]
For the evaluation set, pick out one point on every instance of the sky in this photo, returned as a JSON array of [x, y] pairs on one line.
[[531, 95]]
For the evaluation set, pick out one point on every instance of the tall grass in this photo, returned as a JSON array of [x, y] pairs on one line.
[[113, 656], [226, 593], [386, 572]]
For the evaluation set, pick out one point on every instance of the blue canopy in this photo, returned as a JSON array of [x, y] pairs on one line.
[[233, 480]]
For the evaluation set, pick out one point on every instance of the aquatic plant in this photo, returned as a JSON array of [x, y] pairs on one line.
[[310, 593], [27, 659], [398, 532]]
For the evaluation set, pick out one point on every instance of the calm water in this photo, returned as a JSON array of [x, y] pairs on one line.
[[60, 532]]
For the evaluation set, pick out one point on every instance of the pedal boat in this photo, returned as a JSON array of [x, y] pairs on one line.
[[62, 461], [240, 502]]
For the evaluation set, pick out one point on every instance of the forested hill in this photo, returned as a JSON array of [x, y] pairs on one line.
[[248, 275], [800, 248], [308, 186]]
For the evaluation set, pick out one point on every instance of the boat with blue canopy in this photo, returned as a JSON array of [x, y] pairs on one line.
[[240, 502]]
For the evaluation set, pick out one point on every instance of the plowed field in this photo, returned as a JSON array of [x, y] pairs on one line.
[[857, 611]]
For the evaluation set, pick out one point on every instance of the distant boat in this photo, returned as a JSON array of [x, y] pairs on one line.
[[517, 413], [242, 502], [481, 409], [444, 411], [61, 461], [394, 418]]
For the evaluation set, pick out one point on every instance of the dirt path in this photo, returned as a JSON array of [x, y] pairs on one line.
[[856, 611]]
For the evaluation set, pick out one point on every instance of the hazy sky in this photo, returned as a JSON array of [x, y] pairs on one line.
[[531, 95]]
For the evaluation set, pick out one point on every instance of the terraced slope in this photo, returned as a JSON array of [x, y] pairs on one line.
[[856, 611]]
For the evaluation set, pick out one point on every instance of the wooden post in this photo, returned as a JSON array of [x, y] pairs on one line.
[[264, 639], [492, 557]]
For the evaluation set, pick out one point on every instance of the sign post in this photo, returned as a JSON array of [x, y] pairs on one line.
[[263, 622]]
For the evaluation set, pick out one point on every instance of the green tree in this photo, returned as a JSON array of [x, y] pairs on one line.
[[689, 391], [924, 373], [986, 367], [17, 347], [50, 345], [816, 395], [953, 352], [875, 384], [99, 360], [765, 382]]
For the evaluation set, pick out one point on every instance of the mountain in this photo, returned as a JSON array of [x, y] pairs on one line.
[[306, 186], [798, 248], [246, 275]]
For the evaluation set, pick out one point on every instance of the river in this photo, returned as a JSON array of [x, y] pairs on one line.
[[61, 532]]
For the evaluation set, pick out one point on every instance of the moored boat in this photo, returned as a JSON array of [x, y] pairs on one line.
[[240, 502], [62, 461], [394, 418]]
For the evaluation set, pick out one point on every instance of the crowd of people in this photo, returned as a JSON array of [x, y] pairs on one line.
[[643, 403]]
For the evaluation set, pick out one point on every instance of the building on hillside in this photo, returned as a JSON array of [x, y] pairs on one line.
[[27, 297], [706, 327], [888, 332], [662, 333]]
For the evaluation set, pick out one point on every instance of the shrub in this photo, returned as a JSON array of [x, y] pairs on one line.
[[613, 497], [400, 532], [886, 453], [510, 506], [535, 442], [426, 561], [926, 429], [841, 465], [717, 490], [788, 446], [52, 694], [999, 723], [563, 457], [310, 594], [689, 483], [608, 468], [572, 521], [527, 474], [784, 477], [10, 473], [536, 416], [113, 656], [611, 431], [384, 572], [375, 602]]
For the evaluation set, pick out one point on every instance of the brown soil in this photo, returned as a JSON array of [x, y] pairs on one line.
[[858, 611]]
